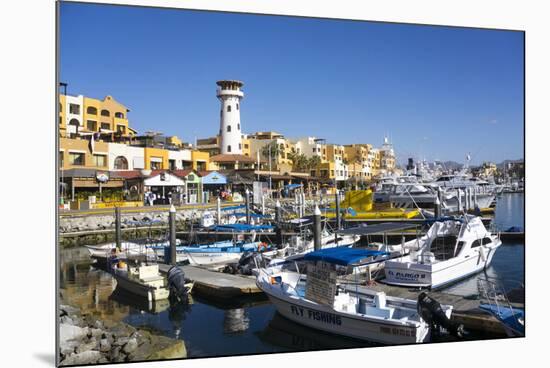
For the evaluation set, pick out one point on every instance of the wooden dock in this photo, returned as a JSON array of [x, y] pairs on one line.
[[223, 286], [216, 284]]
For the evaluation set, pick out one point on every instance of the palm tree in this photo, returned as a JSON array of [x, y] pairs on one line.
[[313, 162], [271, 151]]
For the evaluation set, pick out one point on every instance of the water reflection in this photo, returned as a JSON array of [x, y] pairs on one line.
[[295, 337], [235, 321]]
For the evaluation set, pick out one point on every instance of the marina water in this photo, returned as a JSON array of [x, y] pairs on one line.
[[211, 328]]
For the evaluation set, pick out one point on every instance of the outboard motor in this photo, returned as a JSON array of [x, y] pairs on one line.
[[247, 262], [430, 310], [176, 285]]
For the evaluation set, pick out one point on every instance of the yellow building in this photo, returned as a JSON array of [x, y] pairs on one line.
[[107, 115], [77, 153], [201, 161]]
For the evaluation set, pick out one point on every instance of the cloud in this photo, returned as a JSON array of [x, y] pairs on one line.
[[493, 121]]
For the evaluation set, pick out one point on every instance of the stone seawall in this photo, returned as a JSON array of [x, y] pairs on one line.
[[100, 228], [84, 339]]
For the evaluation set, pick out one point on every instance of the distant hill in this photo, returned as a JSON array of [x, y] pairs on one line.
[[501, 165]]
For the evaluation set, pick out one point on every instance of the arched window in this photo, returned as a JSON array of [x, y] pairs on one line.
[[229, 148], [105, 113], [229, 128], [91, 110], [238, 126], [121, 163], [119, 115], [74, 122], [228, 108]]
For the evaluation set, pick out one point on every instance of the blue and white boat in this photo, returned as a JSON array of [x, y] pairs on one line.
[[218, 253], [494, 301], [323, 304]]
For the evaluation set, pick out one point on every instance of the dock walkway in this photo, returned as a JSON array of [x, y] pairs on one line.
[[217, 284]]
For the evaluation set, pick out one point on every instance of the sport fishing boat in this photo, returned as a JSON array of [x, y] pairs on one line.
[[452, 249], [323, 304]]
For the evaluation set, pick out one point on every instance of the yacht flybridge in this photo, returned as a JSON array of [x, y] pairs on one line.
[[451, 250]]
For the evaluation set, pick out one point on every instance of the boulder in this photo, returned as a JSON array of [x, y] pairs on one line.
[[84, 358], [70, 332], [130, 346], [104, 345]]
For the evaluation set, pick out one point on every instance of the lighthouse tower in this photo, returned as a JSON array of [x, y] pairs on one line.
[[230, 94]]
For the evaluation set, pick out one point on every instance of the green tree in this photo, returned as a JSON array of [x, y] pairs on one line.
[[271, 148]]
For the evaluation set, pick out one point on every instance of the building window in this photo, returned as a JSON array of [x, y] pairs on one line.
[[60, 120], [105, 113], [121, 129], [91, 125], [74, 109], [240, 146], [105, 126], [239, 126], [91, 110], [121, 163], [61, 159], [229, 128], [229, 148], [237, 106], [245, 145], [100, 160], [201, 166], [119, 115], [76, 158], [172, 164], [228, 108], [156, 165]]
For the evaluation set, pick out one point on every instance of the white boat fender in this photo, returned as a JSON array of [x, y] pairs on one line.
[[482, 254]]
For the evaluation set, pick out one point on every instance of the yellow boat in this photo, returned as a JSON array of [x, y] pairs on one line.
[[361, 201]]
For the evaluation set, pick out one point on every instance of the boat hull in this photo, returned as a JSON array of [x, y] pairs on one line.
[[141, 290], [327, 319], [436, 275]]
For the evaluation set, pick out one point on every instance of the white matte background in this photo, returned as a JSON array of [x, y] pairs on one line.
[[27, 185]]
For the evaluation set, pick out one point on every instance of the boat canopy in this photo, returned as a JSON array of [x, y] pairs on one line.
[[242, 227], [293, 186], [230, 208], [377, 228], [344, 256]]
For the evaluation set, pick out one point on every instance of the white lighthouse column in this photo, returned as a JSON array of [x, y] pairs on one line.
[[229, 93]]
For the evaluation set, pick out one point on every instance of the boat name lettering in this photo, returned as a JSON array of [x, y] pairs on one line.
[[396, 331], [406, 275], [316, 315]]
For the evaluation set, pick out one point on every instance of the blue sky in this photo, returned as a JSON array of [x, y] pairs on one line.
[[438, 92]]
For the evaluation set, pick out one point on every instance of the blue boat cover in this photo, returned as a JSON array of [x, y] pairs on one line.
[[292, 186], [507, 315], [242, 227], [342, 255], [231, 208], [257, 215]]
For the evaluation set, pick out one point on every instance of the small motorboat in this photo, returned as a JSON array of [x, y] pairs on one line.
[[323, 304], [143, 281]]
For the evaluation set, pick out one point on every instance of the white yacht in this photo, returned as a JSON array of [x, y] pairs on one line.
[[451, 250]]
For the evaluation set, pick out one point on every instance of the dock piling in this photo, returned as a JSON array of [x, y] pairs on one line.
[[317, 228], [337, 198], [278, 230], [172, 225], [118, 232], [219, 210], [247, 203]]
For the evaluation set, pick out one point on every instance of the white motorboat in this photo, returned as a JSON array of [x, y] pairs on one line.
[[127, 250], [144, 281], [324, 305], [451, 250], [299, 244]]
